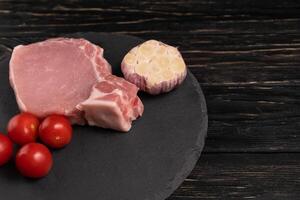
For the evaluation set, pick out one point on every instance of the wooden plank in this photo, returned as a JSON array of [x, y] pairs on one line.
[[243, 176], [142, 17]]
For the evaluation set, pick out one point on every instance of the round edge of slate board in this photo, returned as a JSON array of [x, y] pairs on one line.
[[148, 163]]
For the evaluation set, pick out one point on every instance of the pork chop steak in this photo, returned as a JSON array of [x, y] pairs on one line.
[[113, 103], [55, 75]]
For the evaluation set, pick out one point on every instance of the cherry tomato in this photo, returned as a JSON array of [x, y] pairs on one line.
[[56, 131], [23, 128], [34, 160], [6, 149]]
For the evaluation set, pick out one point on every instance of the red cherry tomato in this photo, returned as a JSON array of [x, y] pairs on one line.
[[23, 128], [56, 131], [6, 149], [34, 160]]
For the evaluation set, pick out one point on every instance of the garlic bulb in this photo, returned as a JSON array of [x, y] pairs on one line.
[[154, 67]]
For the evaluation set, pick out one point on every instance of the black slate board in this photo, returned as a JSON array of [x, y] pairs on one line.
[[148, 163]]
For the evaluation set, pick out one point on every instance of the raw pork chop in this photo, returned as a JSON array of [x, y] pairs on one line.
[[55, 75], [113, 103]]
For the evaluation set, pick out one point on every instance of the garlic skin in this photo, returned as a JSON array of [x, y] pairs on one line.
[[154, 67]]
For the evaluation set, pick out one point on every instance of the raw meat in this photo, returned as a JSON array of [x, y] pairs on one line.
[[55, 75], [113, 104]]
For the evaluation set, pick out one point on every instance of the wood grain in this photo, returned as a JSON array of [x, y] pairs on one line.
[[246, 56], [243, 176]]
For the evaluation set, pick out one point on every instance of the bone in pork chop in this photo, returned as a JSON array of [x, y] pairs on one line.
[[113, 104], [70, 77]]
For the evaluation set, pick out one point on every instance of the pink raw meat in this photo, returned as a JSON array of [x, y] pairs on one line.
[[113, 104], [55, 75]]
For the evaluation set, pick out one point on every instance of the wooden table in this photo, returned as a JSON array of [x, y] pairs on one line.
[[246, 56]]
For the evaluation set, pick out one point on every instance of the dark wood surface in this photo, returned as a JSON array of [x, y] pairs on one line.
[[246, 56]]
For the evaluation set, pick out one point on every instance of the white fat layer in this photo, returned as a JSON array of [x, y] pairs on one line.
[[97, 52], [12, 80]]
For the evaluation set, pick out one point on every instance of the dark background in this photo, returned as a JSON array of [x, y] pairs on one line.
[[245, 55]]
